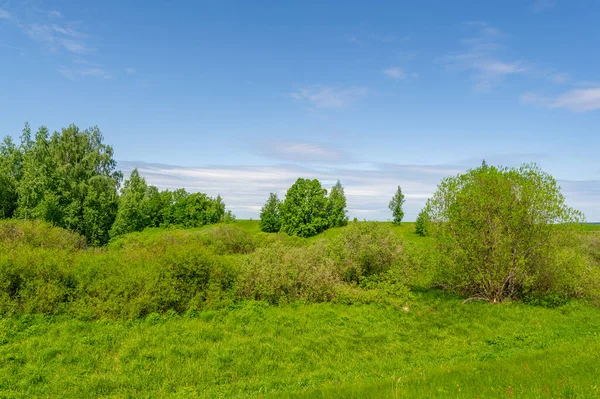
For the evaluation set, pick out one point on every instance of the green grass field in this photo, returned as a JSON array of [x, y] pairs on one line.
[[435, 346]]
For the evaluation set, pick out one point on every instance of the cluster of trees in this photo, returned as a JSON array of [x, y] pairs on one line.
[[306, 211], [69, 178], [141, 206]]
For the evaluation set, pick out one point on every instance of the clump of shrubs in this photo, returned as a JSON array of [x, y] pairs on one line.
[[178, 271], [37, 233], [282, 274], [364, 249]]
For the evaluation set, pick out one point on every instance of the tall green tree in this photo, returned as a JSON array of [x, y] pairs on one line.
[[304, 210], [270, 215], [505, 233], [133, 212], [396, 206], [59, 171], [336, 206]]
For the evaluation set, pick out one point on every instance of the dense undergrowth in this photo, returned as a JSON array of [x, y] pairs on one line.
[[49, 271], [46, 270]]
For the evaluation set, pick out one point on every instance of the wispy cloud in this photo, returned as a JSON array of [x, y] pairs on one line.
[[543, 5], [481, 58], [77, 74], [578, 100], [130, 70], [395, 73], [57, 38], [246, 188], [328, 97], [61, 38], [5, 14], [302, 151]]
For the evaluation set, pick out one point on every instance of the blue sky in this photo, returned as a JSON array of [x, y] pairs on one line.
[[241, 98]]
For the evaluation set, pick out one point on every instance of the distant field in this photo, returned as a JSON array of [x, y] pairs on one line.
[[431, 345], [592, 226]]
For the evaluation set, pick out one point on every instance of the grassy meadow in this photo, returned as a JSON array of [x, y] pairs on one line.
[[227, 311]]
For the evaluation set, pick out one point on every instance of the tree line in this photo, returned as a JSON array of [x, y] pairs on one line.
[[69, 178], [307, 210]]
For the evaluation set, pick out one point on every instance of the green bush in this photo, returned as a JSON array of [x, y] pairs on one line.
[[37, 233], [283, 274], [506, 233], [123, 284], [421, 223], [228, 239], [363, 249]]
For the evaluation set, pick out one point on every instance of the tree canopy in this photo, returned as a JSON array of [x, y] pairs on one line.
[[304, 210], [336, 207], [270, 215], [503, 233], [70, 178]]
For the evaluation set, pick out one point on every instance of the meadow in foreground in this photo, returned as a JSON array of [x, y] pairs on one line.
[[104, 323], [435, 348]]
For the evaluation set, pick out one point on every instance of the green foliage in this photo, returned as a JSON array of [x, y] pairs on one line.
[[38, 234], [270, 215], [133, 207], [279, 274], [336, 206], [304, 210], [395, 206], [421, 223], [228, 240], [505, 233], [142, 206], [10, 175], [68, 178], [364, 249]]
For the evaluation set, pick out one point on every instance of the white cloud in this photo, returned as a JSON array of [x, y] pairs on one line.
[[327, 97], [66, 31], [481, 59], [130, 70], [57, 38], [300, 151], [75, 47], [395, 73], [76, 74], [578, 100], [543, 5], [5, 14]]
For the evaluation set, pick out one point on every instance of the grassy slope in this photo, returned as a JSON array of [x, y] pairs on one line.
[[437, 348]]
